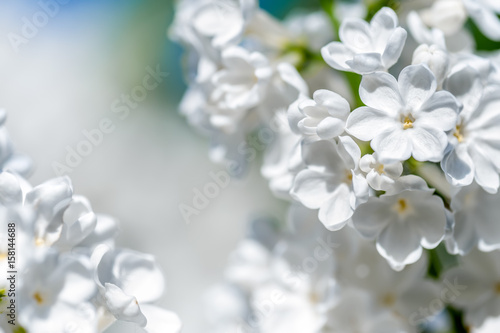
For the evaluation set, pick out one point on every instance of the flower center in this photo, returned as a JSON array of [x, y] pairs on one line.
[[313, 297], [407, 121], [459, 134], [401, 206], [388, 300], [497, 288], [39, 241], [38, 298], [380, 169], [348, 176]]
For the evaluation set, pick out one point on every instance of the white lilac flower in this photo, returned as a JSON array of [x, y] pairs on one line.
[[53, 291], [249, 265], [56, 233], [282, 159], [331, 180], [301, 307], [477, 284], [436, 58], [380, 176], [209, 26], [474, 151], [302, 276], [404, 118], [367, 47], [324, 116], [476, 214], [446, 15], [461, 41], [402, 221], [226, 308], [230, 102], [307, 235], [130, 283], [403, 293], [357, 312], [241, 85]]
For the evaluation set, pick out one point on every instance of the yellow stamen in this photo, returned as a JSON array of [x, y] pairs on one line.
[[407, 123], [497, 288], [38, 298], [348, 176], [458, 134], [388, 300], [401, 206], [380, 169], [39, 241]]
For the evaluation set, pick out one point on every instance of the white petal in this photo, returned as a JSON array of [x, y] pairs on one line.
[[337, 105], [399, 243], [486, 174], [335, 212], [428, 144], [140, 275], [330, 127], [380, 91], [458, 166], [488, 228], [10, 189], [160, 320], [311, 188], [392, 146], [294, 115], [366, 123], [321, 155], [355, 33], [465, 84], [336, 55], [384, 20], [430, 221], [364, 63], [294, 81], [394, 47], [371, 218], [416, 84], [349, 152], [439, 111], [123, 306]]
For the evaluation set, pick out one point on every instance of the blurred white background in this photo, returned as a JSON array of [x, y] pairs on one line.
[[64, 80]]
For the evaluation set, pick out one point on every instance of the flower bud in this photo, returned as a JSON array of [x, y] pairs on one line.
[[435, 58]]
